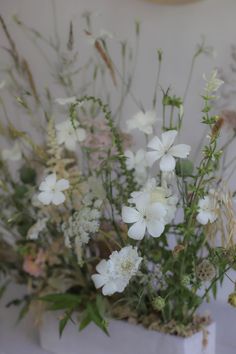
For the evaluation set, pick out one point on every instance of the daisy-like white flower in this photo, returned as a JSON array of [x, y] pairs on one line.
[[165, 151], [207, 210], [138, 162], [144, 216], [52, 190], [115, 273], [13, 154], [69, 135], [212, 83], [65, 101], [142, 121]]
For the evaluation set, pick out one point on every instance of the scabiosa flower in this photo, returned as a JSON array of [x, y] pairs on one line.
[[115, 273], [142, 121], [207, 209], [13, 154], [144, 216], [52, 190], [69, 134], [165, 151]]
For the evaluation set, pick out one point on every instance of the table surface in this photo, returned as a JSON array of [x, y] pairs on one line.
[[22, 338]]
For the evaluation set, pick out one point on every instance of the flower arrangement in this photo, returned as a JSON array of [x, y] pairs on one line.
[[97, 229]]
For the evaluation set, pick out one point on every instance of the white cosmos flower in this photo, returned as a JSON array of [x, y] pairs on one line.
[[65, 101], [207, 210], [212, 83], [143, 121], [144, 216], [52, 190], [138, 162], [166, 151], [69, 135], [115, 273], [13, 154]]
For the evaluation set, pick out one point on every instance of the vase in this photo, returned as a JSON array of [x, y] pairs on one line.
[[125, 338]]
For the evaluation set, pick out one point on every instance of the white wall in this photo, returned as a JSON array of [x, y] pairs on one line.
[[175, 29]]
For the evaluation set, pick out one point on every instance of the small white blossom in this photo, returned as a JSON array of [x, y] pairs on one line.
[[207, 210], [138, 162], [142, 121], [69, 135], [115, 273], [166, 151], [13, 154], [35, 229], [212, 83], [65, 101], [144, 216], [52, 190]]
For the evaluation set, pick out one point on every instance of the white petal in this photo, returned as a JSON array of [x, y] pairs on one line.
[[202, 218], [167, 163], [155, 228], [70, 143], [58, 198], [98, 280], [168, 138], [62, 185], [137, 231], [109, 288], [51, 180], [156, 144], [130, 215], [102, 266], [45, 197], [152, 157], [156, 211], [180, 150]]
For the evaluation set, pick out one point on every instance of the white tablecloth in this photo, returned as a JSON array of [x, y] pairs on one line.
[[23, 338]]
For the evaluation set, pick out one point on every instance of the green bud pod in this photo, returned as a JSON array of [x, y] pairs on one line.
[[184, 168]]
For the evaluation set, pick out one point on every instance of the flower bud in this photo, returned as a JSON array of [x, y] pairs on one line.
[[232, 299], [184, 168], [158, 303]]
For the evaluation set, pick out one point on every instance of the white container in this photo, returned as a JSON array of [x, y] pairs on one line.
[[124, 338]]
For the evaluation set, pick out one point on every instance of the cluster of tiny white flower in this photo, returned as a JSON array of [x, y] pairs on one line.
[[115, 273], [83, 223]]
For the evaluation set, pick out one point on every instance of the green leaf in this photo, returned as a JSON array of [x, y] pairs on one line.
[[85, 321], [24, 310], [3, 288], [61, 301], [63, 322], [96, 317]]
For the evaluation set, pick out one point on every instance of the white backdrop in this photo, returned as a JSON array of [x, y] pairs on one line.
[[175, 29]]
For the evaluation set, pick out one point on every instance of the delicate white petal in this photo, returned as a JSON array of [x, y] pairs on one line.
[[152, 157], [202, 218], [156, 211], [62, 184], [51, 180], [156, 144], [58, 198], [168, 138], [81, 134], [70, 143], [109, 289], [180, 150], [99, 280], [167, 163], [130, 215], [155, 228], [137, 230], [102, 266], [45, 197]]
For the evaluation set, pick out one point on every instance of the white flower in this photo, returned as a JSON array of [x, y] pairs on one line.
[[144, 216], [166, 151], [207, 210], [69, 135], [116, 272], [213, 83], [65, 101], [13, 154], [51, 190], [142, 121], [35, 229], [138, 162]]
